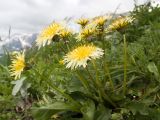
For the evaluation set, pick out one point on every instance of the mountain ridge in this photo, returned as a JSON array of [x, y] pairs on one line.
[[17, 41]]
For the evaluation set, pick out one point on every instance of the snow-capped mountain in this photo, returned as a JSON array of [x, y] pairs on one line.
[[17, 42]]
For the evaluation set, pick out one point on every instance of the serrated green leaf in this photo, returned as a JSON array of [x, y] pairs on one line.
[[45, 112], [88, 110], [153, 69], [18, 85], [102, 113], [138, 107]]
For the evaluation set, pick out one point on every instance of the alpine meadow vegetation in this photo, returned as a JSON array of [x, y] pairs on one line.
[[108, 70]]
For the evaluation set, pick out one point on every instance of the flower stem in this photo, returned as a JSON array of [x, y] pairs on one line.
[[65, 42], [90, 76], [62, 48], [95, 86], [101, 92], [105, 96], [109, 76], [125, 66], [106, 69], [98, 82], [83, 81]]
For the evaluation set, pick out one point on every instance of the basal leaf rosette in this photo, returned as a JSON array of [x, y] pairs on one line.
[[81, 55]]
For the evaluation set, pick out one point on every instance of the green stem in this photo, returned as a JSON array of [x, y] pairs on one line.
[[109, 76], [67, 45], [101, 92], [105, 96], [105, 64], [95, 86], [96, 69], [83, 81], [86, 85], [62, 48], [98, 82], [90, 76], [125, 66], [103, 42]]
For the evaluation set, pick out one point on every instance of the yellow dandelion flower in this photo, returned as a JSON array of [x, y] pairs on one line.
[[83, 22], [120, 23], [98, 23], [64, 33], [47, 34], [86, 33], [101, 20], [79, 56], [18, 65]]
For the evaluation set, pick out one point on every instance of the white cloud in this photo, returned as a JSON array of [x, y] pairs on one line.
[[32, 15]]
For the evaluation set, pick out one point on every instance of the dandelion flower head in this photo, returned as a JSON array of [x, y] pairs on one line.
[[17, 65], [46, 36], [83, 22], [120, 23], [79, 56]]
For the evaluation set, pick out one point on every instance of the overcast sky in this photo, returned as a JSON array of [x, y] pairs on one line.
[[28, 16]]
